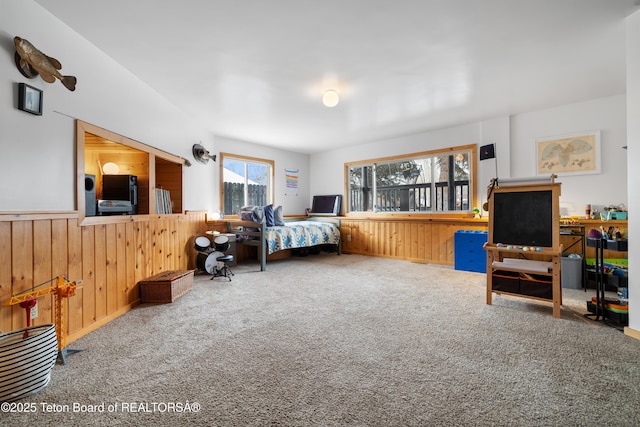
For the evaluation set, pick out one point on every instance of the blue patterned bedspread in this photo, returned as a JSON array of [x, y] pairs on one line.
[[301, 234]]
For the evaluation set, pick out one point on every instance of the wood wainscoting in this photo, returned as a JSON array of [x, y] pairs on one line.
[[417, 239], [430, 239], [110, 257]]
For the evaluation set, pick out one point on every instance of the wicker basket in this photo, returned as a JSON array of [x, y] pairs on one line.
[[166, 287]]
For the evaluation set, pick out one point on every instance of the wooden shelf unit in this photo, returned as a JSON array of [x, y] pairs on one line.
[[153, 168], [528, 286], [528, 281]]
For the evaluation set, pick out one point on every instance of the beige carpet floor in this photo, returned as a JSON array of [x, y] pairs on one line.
[[347, 340]]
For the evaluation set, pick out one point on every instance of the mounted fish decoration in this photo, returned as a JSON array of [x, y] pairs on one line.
[[33, 62]]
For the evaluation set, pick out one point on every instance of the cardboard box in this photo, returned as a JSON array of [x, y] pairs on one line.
[[166, 287]]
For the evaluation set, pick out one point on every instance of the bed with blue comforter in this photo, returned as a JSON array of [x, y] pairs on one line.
[[312, 232], [301, 234]]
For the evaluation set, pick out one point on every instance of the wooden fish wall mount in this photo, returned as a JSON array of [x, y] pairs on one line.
[[31, 63]]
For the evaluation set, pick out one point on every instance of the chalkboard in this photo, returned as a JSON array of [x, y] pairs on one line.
[[523, 218]]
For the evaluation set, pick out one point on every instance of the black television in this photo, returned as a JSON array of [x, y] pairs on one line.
[[119, 195], [523, 218], [328, 205]]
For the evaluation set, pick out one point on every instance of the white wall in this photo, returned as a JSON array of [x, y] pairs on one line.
[[327, 168], [37, 161], [37, 153], [496, 132], [608, 115], [110, 97], [633, 142], [514, 138]]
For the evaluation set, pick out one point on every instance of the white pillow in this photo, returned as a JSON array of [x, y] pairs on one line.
[[258, 211], [278, 218]]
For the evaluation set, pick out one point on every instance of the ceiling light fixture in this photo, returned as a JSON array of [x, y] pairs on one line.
[[330, 98]]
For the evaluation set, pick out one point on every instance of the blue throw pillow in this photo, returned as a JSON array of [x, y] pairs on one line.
[[268, 215]]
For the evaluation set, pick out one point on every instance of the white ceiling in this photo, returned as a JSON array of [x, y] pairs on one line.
[[256, 70]]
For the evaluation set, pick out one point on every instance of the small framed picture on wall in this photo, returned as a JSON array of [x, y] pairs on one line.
[[29, 99]]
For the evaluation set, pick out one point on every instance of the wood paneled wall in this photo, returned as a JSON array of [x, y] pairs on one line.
[[109, 257], [428, 240], [112, 254]]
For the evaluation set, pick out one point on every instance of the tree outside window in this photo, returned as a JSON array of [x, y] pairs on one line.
[[439, 181]]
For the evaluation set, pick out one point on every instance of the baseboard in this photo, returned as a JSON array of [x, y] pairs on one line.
[[632, 333], [84, 331]]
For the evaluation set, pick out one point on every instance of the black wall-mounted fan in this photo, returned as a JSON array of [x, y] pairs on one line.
[[201, 154]]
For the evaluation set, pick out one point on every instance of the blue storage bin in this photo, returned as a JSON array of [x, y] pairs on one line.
[[469, 254]]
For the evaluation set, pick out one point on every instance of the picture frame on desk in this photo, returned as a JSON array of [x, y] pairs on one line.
[[30, 99], [570, 154]]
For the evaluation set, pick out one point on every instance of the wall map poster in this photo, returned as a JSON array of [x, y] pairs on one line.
[[569, 154]]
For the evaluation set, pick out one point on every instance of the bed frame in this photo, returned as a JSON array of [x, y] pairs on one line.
[[257, 238]]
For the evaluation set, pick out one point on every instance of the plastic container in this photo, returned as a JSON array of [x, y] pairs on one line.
[[469, 253], [571, 272]]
